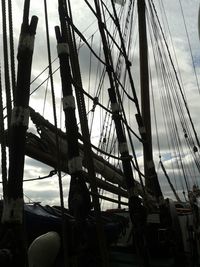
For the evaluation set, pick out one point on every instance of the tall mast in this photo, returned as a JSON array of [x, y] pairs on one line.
[[12, 217], [152, 183], [64, 6]]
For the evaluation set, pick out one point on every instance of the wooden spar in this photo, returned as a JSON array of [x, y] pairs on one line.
[[12, 216], [57, 148], [137, 211], [35, 149], [128, 67], [35, 144], [108, 171], [152, 184], [79, 201], [65, 10], [123, 147], [47, 158], [130, 183]]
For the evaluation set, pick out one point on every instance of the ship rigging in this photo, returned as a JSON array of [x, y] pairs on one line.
[[103, 128]]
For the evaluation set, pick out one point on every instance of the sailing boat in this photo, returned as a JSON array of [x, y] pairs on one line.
[[88, 234]]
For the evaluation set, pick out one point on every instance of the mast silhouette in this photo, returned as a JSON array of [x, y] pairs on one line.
[[152, 184]]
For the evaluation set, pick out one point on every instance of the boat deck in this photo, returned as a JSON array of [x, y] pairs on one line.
[[122, 258]]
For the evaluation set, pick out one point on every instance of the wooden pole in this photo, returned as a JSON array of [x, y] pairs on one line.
[[63, 7], [152, 184], [12, 216]]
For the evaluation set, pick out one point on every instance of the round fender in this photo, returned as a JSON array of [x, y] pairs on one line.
[[44, 250]]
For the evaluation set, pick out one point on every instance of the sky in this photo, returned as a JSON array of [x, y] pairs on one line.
[[47, 191]]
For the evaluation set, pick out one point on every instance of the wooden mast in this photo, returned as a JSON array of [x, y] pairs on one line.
[[151, 181], [65, 10], [12, 217]]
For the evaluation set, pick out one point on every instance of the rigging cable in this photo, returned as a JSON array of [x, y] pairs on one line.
[[114, 140], [6, 63], [190, 48], [105, 133], [109, 133], [45, 97], [3, 145], [189, 139], [168, 179], [170, 112], [108, 110], [90, 65], [94, 53], [173, 47], [128, 64], [158, 143], [154, 109], [51, 173], [158, 71], [107, 53], [57, 57], [85, 131], [12, 52], [181, 91]]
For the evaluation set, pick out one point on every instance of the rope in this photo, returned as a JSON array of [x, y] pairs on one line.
[[168, 80], [45, 97], [51, 173], [127, 63], [12, 53], [154, 110], [6, 64], [3, 145], [190, 48], [176, 76], [168, 179]]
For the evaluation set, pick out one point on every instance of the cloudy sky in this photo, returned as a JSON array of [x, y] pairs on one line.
[[47, 190]]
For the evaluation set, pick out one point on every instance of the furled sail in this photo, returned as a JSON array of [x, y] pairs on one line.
[[44, 146]]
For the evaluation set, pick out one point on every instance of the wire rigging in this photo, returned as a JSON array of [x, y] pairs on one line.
[[176, 76], [6, 63], [171, 86], [12, 52], [189, 44], [3, 145]]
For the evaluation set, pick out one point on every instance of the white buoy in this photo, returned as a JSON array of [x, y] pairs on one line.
[[43, 250]]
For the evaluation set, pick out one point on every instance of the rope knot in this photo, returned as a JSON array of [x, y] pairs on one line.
[[95, 103]]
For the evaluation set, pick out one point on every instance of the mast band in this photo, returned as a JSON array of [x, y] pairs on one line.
[[123, 147], [13, 210], [20, 116], [150, 164], [63, 48], [68, 102], [75, 164], [133, 192], [26, 41], [115, 107], [142, 130]]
